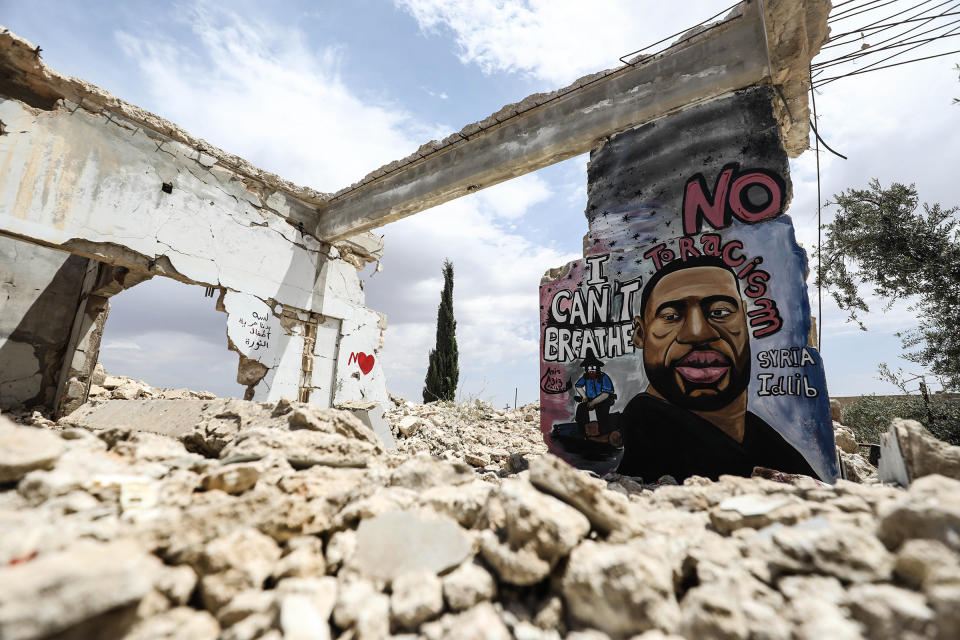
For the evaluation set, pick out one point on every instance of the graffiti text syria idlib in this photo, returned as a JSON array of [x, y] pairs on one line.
[[678, 345]]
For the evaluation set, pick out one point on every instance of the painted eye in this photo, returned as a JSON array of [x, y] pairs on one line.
[[670, 316], [720, 313]]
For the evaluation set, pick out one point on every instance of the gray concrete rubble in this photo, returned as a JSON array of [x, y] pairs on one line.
[[163, 526]]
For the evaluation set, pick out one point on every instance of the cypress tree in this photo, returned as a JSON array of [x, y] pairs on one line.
[[443, 372]]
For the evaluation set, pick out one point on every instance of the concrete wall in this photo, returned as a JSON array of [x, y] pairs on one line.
[[103, 187], [710, 181], [39, 294]]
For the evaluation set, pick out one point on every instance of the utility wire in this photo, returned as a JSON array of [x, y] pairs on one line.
[[900, 53], [896, 64], [899, 13], [922, 24], [860, 54], [834, 14], [883, 27], [813, 96], [843, 15], [900, 40], [879, 26], [924, 20], [840, 4]]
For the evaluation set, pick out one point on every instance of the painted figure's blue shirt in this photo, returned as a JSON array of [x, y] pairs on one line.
[[593, 388]]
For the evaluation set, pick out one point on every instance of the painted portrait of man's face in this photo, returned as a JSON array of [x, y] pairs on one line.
[[693, 332]]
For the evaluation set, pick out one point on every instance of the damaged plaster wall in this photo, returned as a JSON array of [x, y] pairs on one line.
[[95, 183], [37, 309]]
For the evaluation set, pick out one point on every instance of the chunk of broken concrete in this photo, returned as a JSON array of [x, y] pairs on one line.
[[333, 421], [302, 448], [415, 598], [818, 545], [409, 425], [621, 589], [910, 452], [930, 509], [756, 511], [845, 439], [606, 510], [400, 542], [58, 591], [530, 532], [232, 478], [24, 449], [467, 585]]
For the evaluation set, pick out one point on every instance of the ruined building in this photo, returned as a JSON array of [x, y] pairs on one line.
[[98, 195]]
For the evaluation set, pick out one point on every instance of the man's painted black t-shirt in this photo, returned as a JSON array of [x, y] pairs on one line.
[[662, 439]]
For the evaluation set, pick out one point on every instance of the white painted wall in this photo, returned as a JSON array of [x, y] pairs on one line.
[[67, 177]]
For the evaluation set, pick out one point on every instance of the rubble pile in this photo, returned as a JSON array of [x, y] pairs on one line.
[[283, 521], [492, 440]]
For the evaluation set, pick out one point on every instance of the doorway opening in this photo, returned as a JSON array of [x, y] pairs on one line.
[[170, 335]]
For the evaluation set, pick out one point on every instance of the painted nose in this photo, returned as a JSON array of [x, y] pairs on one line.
[[695, 328]]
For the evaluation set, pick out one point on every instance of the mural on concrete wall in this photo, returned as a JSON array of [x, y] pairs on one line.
[[677, 346]]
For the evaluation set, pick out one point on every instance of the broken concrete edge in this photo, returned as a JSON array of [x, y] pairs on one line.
[[372, 414], [792, 41], [909, 451], [795, 32], [892, 467]]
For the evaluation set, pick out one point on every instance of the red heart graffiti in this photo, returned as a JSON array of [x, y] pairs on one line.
[[365, 362]]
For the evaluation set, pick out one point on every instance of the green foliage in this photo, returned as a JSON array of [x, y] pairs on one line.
[[869, 416], [879, 238], [443, 371]]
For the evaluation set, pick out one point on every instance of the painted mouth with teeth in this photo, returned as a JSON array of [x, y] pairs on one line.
[[702, 367]]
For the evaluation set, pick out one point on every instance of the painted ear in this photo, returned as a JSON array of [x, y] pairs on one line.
[[637, 332]]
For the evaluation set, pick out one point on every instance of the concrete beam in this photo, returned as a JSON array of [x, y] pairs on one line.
[[770, 39], [726, 58]]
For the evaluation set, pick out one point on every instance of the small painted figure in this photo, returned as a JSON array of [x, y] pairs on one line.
[[594, 392]]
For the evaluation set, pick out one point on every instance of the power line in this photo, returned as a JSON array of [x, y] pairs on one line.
[[860, 54], [883, 27], [880, 27], [906, 39], [922, 24], [900, 53], [840, 4], [843, 15], [896, 64], [813, 97]]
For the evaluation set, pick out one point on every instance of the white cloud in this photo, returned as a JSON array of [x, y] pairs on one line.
[[264, 93], [555, 41], [119, 345], [513, 198]]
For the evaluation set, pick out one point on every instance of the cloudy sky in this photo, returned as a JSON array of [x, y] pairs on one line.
[[322, 92]]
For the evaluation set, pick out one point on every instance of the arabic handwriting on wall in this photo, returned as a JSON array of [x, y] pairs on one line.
[[259, 330]]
